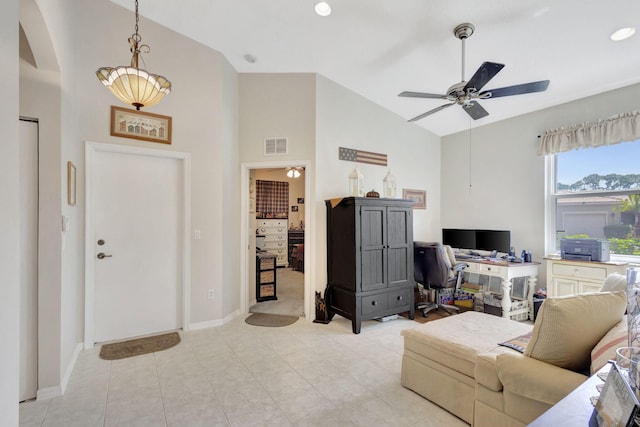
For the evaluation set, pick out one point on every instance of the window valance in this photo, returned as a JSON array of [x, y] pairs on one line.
[[621, 128]]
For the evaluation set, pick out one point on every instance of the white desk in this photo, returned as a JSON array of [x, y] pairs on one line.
[[507, 271]]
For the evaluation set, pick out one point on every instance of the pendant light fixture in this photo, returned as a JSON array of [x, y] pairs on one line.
[[131, 84], [294, 172]]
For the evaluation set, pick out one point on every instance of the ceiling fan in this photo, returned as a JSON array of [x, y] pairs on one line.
[[466, 93]]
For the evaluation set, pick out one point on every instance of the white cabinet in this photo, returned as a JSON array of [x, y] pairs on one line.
[[275, 239], [566, 277]]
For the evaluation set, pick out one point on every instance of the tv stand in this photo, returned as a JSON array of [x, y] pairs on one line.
[[507, 271]]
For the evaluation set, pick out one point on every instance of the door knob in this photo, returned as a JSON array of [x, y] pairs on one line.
[[102, 255]]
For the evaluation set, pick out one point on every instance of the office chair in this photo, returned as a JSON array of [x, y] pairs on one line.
[[434, 270]]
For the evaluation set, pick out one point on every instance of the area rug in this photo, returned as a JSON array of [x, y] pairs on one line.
[[433, 315], [271, 320], [138, 346]]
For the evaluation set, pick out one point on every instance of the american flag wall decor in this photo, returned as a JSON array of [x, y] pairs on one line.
[[360, 156]]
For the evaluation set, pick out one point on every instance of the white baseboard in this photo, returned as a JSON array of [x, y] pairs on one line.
[[48, 393], [58, 390], [214, 323], [70, 366]]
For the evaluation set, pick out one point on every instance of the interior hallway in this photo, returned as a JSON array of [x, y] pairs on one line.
[[290, 293]]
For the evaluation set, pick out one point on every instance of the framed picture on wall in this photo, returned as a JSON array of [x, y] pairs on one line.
[[140, 125], [301, 200], [294, 208], [419, 197]]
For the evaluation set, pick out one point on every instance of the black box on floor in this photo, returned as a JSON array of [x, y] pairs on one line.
[[537, 302]]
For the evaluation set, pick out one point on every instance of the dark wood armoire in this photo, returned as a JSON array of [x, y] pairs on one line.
[[369, 258]]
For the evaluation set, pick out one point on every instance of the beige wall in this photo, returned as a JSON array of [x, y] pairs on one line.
[[73, 107], [345, 119], [507, 177], [9, 226]]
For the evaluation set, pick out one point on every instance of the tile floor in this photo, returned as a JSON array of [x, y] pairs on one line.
[[290, 293], [305, 374]]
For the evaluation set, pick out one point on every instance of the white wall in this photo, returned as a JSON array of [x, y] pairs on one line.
[[9, 212], [203, 106], [345, 119], [506, 176], [73, 107]]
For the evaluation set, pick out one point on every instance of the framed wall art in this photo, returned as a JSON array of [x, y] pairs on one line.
[[71, 184], [140, 125], [419, 197]]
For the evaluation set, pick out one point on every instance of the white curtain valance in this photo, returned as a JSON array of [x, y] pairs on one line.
[[616, 129]]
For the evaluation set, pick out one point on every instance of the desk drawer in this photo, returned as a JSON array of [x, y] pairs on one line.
[[492, 270], [374, 303], [580, 271]]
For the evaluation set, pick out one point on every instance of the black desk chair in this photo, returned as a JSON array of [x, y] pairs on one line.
[[434, 270]]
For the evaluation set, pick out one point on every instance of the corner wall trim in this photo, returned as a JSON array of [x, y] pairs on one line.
[[214, 323]]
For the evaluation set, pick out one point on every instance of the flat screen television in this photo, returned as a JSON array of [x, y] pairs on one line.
[[484, 240]]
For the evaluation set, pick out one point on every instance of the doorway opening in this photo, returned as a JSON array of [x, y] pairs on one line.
[[277, 239]]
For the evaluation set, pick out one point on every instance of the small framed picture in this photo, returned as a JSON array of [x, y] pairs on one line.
[[71, 184], [294, 208], [140, 125], [301, 200], [419, 197]]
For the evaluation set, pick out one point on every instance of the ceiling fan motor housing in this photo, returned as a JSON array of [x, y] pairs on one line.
[[464, 31]]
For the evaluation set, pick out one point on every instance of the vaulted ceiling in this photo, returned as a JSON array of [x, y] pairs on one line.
[[379, 48]]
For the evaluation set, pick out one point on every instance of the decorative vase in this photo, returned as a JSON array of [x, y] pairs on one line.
[[373, 193]]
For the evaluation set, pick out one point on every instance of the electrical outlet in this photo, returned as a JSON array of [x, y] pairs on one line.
[[210, 295]]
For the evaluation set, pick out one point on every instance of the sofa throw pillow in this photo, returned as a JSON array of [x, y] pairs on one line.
[[567, 328], [614, 282], [605, 350]]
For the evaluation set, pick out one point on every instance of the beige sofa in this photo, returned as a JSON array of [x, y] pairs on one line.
[[456, 362]]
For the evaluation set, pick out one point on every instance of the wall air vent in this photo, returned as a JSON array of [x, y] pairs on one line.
[[276, 146]]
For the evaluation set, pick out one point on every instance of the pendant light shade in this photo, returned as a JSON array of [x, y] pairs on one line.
[[131, 84], [134, 86]]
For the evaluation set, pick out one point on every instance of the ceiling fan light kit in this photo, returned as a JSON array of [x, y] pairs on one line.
[[466, 93]]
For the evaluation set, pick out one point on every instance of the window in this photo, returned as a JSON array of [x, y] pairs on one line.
[[596, 194]]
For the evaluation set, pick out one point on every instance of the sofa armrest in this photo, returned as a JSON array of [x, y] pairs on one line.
[[534, 379]]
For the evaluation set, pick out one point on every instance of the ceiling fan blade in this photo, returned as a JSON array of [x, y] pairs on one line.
[[435, 110], [421, 95], [540, 86], [486, 72], [475, 110]]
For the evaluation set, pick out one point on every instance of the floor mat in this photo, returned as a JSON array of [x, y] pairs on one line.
[[138, 346], [272, 320]]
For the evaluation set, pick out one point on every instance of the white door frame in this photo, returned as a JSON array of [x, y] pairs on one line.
[[309, 298], [89, 263]]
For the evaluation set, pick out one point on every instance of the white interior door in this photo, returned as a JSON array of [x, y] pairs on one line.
[[137, 225], [28, 259]]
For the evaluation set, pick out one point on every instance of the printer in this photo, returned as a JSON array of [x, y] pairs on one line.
[[585, 249]]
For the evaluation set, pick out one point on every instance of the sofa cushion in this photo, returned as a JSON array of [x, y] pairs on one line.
[[456, 341], [567, 328], [605, 350], [614, 282]]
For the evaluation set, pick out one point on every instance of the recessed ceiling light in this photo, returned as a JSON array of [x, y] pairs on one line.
[[323, 9], [623, 33]]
